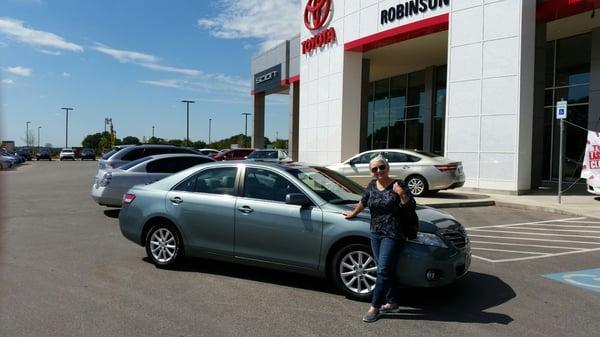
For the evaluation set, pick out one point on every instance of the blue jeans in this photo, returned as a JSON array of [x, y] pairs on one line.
[[386, 251]]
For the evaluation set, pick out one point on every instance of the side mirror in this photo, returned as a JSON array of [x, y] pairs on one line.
[[297, 199]]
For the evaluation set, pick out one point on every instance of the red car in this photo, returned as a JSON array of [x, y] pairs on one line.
[[235, 154]]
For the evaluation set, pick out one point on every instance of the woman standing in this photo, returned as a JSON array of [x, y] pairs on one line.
[[384, 196]]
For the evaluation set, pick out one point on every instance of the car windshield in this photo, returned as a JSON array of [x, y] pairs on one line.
[[110, 153], [263, 155], [329, 185], [133, 163]]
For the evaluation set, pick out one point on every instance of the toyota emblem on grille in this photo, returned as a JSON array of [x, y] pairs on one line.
[[316, 13]]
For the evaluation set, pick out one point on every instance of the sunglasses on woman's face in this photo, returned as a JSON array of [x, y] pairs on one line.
[[379, 168]]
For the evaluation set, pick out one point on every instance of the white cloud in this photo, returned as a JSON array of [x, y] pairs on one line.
[[125, 56], [7, 81], [3, 44], [16, 30], [144, 60], [66, 74], [164, 83], [270, 21], [183, 71], [50, 52], [18, 70], [209, 84]]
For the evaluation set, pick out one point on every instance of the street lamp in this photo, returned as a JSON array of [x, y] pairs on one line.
[[209, 125], [27, 133], [152, 131], [67, 126], [39, 127], [245, 114], [187, 138]]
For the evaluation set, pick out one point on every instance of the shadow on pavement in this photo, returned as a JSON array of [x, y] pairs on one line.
[[466, 301], [112, 213]]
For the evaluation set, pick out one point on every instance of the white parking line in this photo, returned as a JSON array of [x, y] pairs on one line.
[[523, 245], [507, 251], [546, 232]]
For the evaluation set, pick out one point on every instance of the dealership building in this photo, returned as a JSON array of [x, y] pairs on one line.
[[473, 80]]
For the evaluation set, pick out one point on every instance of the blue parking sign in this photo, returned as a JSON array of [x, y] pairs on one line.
[[587, 279], [561, 109]]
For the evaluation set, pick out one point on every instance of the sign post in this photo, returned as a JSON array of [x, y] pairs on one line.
[[561, 114]]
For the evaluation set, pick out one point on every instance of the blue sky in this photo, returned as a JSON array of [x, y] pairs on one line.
[[135, 61]]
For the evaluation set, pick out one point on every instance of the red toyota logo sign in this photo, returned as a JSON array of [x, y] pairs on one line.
[[316, 13]]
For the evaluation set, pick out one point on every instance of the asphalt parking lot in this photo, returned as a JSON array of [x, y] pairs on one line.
[[66, 270]]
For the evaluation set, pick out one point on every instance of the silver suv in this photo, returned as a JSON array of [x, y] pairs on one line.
[[130, 153]]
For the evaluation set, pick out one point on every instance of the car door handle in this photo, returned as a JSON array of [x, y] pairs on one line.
[[245, 209], [176, 200]]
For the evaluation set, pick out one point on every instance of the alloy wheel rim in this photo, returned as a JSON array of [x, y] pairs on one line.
[[416, 186], [163, 246], [358, 272]]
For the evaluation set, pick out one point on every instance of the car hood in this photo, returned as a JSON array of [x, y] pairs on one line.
[[430, 219]]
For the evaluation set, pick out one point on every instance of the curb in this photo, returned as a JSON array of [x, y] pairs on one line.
[[546, 209], [461, 204]]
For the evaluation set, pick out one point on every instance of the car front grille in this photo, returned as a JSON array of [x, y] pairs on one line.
[[458, 238]]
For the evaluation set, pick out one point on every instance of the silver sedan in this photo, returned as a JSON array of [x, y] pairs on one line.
[[110, 185], [423, 172]]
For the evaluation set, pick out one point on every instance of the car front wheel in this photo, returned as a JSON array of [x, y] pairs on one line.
[[354, 271], [164, 246]]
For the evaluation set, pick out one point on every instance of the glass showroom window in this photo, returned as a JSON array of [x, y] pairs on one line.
[[567, 77]]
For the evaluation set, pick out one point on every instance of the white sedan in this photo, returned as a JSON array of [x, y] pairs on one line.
[[67, 153]]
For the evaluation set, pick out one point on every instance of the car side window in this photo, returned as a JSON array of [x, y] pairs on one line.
[[366, 158], [166, 165], [267, 185], [217, 181], [182, 163], [134, 154], [396, 157]]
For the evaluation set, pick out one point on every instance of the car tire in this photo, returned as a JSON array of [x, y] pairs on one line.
[[417, 185], [354, 271], [164, 246]]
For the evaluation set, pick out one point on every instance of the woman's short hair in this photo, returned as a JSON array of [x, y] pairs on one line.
[[379, 159]]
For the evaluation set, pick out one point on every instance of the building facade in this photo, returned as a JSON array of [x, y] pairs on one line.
[[473, 80]]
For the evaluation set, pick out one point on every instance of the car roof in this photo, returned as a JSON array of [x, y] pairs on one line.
[[176, 155]]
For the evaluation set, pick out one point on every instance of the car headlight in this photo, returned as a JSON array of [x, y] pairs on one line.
[[429, 239]]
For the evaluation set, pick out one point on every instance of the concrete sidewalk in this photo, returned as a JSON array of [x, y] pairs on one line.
[[576, 203]]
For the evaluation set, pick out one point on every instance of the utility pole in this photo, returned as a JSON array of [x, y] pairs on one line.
[[187, 138], [209, 125], [27, 134], [39, 127], [246, 125], [67, 126]]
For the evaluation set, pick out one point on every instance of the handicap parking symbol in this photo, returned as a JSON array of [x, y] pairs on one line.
[[588, 279]]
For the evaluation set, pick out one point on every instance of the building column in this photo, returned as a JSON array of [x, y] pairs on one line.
[[489, 117], [258, 121], [351, 105], [364, 105], [294, 120], [594, 110], [537, 151]]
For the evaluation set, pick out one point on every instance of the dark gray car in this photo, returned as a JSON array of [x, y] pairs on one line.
[[283, 216]]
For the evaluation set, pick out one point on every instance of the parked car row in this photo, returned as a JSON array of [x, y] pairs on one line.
[[177, 202], [9, 160]]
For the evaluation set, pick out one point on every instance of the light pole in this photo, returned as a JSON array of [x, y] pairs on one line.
[[245, 114], [187, 138], [209, 125], [67, 126], [27, 134], [152, 131], [39, 127]]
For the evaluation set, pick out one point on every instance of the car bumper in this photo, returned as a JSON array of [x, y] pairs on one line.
[[447, 264], [106, 196], [130, 224], [594, 189]]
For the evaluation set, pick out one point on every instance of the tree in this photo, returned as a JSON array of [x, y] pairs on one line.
[[176, 142], [199, 144], [131, 140], [48, 145], [97, 141], [280, 144]]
